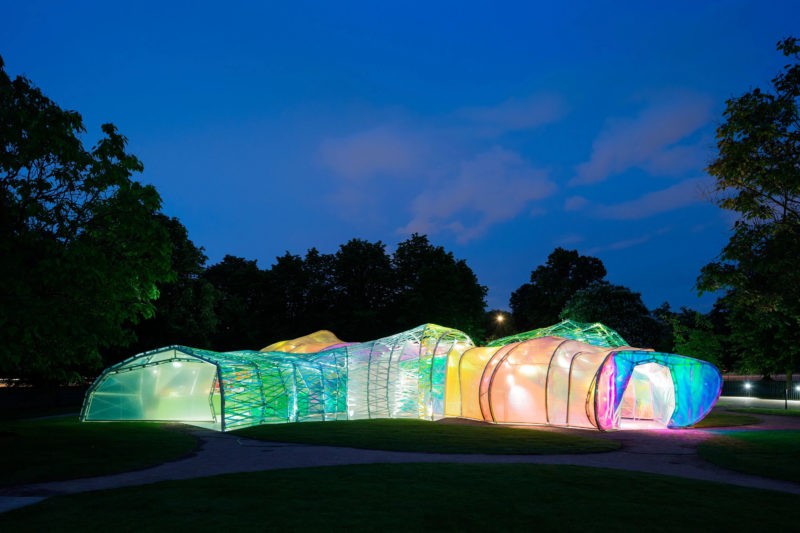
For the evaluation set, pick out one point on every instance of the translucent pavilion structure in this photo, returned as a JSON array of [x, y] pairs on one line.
[[401, 376], [569, 374], [580, 375]]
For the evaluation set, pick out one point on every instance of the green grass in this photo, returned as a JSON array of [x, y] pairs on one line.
[[717, 419], [38, 412], [767, 411], [771, 454], [422, 436], [417, 497], [62, 448]]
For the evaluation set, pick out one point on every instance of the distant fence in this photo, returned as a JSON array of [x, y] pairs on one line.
[[772, 388]]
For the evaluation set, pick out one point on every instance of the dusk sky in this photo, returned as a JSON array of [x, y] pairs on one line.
[[500, 130]]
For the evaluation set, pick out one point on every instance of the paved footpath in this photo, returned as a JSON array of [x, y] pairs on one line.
[[668, 452]]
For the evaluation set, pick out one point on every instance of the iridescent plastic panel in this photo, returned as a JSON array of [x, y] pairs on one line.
[[402, 376], [428, 372], [596, 334]]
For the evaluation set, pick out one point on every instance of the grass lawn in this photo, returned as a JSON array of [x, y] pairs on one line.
[[767, 411], [418, 497], [63, 448], [423, 436], [771, 454], [720, 420]]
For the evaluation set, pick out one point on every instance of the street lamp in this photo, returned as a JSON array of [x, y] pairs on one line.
[[499, 318]]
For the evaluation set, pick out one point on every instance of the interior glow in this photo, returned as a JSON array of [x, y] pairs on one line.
[[571, 374]]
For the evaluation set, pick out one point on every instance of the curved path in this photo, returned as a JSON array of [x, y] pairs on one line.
[[668, 452]]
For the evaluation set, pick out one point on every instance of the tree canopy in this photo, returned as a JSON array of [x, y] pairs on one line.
[[539, 303], [360, 292], [83, 252], [757, 173], [618, 308]]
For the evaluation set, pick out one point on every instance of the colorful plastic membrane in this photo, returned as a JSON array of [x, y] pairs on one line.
[[570, 374]]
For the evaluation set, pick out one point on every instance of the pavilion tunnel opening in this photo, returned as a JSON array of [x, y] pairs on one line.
[[649, 398], [173, 389]]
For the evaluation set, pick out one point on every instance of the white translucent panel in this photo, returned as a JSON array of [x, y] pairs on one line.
[[453, 380], [473, 363], [378, 372], [358, 381], [518, 381], [582, 375], [649, 396], [162, 356], [172, 390], [517, 394], [558, 383]]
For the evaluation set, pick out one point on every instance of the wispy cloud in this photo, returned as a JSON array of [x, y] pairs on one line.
[[680, 195], [517, 114], [575, 203], [569, 239], [379, 151], [648, 141], [462, 194], [627, 243], [494, 186]]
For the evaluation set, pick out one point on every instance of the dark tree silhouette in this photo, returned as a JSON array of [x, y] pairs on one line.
[[538, 303], [82, 252], [757, 172], [618, 308]]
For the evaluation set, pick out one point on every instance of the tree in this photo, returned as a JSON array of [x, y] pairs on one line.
[[757, 173], [497, 324], [618, 308], [539, 303], [184, 312], [242, 294], [365, 289], [301, 294], [693, 333], [433, 286], [82, 252]]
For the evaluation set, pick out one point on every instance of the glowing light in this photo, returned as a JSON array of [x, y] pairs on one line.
[[747, 386], [568, 374]]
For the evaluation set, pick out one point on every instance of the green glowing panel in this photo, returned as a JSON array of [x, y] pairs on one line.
[[595, 334], [401, 376]]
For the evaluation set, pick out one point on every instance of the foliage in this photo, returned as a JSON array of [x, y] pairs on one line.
[[82, 250], [242, 294], [618, 308], [693, 333], [434, 286], [364, 287], [757, 172], [184, 312], [497, 324], [539, 303], [360, 293]]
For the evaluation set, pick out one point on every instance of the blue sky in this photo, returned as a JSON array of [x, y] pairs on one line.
[[501, 130]]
